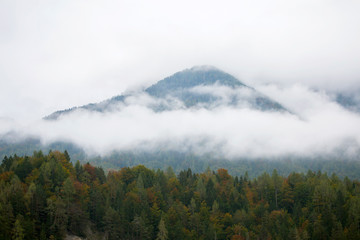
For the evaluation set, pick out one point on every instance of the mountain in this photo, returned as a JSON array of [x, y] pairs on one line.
[[349, 100], [201, 87]]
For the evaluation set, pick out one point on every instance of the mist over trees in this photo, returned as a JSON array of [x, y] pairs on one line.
[[49, 197]]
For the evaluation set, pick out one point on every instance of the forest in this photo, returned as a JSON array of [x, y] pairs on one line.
[[51, 197]]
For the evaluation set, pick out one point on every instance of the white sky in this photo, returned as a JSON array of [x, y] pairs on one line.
[[58, 54]]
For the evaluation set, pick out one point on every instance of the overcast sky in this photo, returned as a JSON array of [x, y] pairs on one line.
[[58, 54]]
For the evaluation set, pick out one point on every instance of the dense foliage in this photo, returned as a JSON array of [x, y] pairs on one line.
[[254, 167], [47, 197]]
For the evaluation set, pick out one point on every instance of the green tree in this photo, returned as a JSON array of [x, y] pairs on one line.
[[162, 233], [337, 232], [58, 217], [112, 224], [276, 181], [18, 231], [200, 188], [210, 192], [140, 228], [68, 191]]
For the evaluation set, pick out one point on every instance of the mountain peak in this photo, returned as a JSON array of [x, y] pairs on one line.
[[195, 76], [204, 68], [181, 85]]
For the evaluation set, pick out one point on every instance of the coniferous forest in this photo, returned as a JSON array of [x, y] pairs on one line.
[[48, 197]]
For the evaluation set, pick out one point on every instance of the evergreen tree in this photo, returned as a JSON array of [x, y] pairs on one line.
[[18, 231], [162, 233]]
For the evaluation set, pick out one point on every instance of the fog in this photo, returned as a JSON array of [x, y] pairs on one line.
[[315, 125]]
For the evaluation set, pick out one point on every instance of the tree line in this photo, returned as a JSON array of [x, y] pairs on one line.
[[49, 197]]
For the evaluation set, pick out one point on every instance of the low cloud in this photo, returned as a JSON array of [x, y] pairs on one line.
[[316, 126], [240, 96]]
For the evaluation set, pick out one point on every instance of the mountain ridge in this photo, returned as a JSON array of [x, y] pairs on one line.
[[180, 86]]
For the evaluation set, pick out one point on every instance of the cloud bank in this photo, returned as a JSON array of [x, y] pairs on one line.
[[316, 126]]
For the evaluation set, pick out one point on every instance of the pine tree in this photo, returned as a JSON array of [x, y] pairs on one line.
[[18, 231], [277, 184], [163, 233]]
